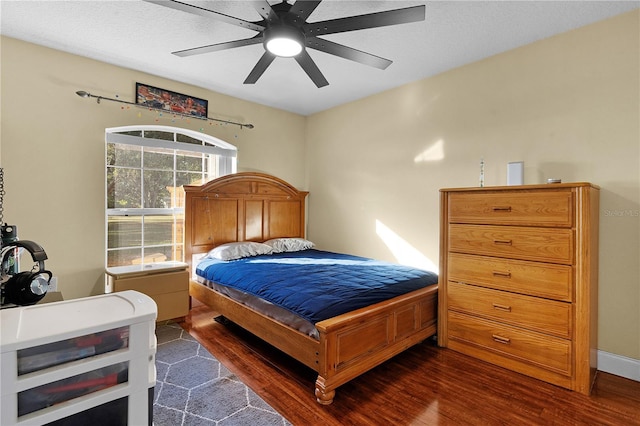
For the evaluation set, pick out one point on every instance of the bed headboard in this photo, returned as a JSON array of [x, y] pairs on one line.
[[244, 206]]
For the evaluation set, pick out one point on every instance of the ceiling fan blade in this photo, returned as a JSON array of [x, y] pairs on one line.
[[311, 69], [264, 9], [218, 46], [260, 68], [371, 20], [347, 53], [196, 10], [303, 8]]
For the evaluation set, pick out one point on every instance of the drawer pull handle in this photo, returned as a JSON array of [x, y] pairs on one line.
[[500, 339], [501, 208], [502, 307], [502, 274], [503, 242]]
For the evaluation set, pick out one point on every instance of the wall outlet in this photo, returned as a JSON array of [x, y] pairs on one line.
[[53, 284]]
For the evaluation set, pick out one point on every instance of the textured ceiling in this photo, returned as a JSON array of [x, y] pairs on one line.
[[140, 35]]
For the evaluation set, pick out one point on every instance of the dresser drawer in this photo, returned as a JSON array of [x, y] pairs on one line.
[[537, 244], [532, 278], [527, 208], [533, 313], [542, 351]]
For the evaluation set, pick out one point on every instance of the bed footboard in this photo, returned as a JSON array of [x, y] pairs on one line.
[[350, 344], [354, 343]]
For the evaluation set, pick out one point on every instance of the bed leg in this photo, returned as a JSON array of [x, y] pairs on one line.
[[323, 396]]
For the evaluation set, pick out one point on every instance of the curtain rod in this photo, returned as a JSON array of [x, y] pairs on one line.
[[84, 94]]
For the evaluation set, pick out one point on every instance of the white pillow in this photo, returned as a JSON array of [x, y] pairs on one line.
[[232, 251], [281, 245]]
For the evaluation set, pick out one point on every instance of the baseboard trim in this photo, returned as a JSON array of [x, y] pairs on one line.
[[619, 365]]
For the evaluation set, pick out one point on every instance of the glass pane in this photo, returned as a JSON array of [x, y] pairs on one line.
[[158, 189], [157, 254], [123, 188], [187, 178], [123, 155], [123, 257], [158, 158], [158, 230], [189, 161], [178, 238], [179, 253], [137, 133], [188, 139], [154, 134], [124, 231], [179, 196]]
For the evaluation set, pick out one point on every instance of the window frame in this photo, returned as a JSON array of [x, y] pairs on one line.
[[226, 164]]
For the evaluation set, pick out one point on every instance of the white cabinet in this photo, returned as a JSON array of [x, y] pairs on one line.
[[79, 359]]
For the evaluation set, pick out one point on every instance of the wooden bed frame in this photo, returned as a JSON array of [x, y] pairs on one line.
[[257, 207]]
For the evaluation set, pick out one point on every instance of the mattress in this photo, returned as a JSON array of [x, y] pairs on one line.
[[311, 285]]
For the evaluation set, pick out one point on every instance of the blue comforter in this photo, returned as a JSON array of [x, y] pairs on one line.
[[315, 284]]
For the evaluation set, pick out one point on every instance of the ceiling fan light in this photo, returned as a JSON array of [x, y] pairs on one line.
[[283, 40], [283, 46]]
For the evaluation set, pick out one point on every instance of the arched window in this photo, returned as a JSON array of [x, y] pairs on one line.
[[146, 168]]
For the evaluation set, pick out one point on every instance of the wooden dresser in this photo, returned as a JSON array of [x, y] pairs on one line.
[[519, 279]]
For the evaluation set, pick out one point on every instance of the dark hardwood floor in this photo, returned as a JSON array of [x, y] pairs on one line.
[[425, 385]]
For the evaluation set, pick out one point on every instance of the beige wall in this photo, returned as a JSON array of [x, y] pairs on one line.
[[567, 106], [52, 149]]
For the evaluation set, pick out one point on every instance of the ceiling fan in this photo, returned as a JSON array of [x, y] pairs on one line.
[[285, 32]]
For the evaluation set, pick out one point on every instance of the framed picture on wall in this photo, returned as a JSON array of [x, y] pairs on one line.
[[167, 100]]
